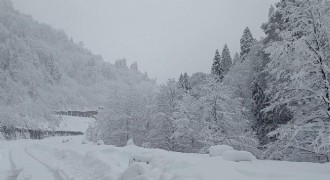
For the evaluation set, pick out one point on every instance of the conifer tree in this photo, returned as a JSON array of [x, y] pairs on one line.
[[217, 70], [186, 83], [226, 60], [271, 11], [180, 82], [246, 41], [236, 59]]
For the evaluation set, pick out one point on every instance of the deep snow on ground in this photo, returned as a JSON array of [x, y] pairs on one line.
[[52, 159]]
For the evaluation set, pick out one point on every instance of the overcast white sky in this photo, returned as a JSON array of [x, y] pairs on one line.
[[165, 37]]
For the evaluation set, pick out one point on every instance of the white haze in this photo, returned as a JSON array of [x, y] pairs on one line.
[[164, 37]]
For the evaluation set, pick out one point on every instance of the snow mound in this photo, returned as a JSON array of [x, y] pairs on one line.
[[100, 142], [140, 158], [136, 171], [218, 150], [238, 156], [130, 142]]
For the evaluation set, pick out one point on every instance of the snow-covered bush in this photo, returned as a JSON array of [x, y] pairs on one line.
[[218, 150], [238, 156], [100, 142], [130, 142]]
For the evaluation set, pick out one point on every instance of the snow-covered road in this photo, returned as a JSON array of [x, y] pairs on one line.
[[20, 162], [51, 159]]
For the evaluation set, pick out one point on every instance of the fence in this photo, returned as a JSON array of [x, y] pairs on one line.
[[12, 133]]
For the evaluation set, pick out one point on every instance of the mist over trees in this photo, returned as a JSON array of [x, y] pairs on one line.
[[272, 98]]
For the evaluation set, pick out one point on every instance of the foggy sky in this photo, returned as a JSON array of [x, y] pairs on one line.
[[165, 37]]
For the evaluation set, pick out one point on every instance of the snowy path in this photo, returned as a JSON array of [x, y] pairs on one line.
[[24, 165], [51, 159]]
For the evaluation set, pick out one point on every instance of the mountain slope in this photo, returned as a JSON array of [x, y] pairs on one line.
[[43, 70]]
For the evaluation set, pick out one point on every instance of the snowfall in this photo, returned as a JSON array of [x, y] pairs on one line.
[[71, 158]]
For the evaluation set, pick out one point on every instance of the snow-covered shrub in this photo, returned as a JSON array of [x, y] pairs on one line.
[[244, 143], [238, 156], [218, 150], [130, 142], [100, 142]]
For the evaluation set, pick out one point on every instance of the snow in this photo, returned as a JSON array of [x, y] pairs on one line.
[[218, 150], [238, 156], [100, 142], [51, 159], [140, 158], [72, 123], [135, 171]]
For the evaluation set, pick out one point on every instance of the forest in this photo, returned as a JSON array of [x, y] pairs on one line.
[[271, 99]]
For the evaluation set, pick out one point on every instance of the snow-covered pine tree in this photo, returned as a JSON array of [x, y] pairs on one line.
[[271, 11], [134, 67], [246, 41], [216, 69], [236, 59], [226, 61], [181, 82], [275, 23], [186, 83]]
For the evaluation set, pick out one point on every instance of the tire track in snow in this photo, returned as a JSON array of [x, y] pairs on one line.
[[57, 173], [14, 173]]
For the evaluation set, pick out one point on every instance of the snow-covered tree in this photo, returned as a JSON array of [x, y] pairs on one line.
[[247, 40], [271, 11], [134, 67], [226, 61], [216, 69], [186, 82], [127, 115], [180, 81], [275, 23], [236, 59], [299, 68]]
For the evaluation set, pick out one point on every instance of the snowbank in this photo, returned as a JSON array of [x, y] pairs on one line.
[[238, 156], [218, 150], [88, 161], [136, 171]]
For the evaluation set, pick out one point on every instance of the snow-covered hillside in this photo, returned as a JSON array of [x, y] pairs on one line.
[[43, 70], [53, 159]]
